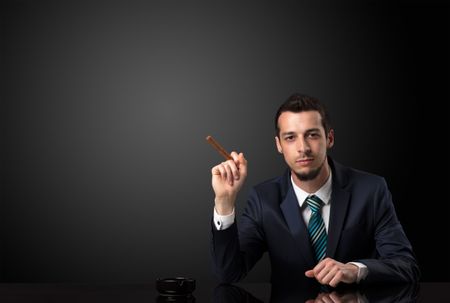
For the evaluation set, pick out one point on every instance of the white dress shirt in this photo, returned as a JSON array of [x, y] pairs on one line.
[[324, 194]]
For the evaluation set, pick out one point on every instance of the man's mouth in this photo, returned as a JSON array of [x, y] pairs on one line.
[[304, 161]]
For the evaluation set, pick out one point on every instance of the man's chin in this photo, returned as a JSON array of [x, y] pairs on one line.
[[307, 175]]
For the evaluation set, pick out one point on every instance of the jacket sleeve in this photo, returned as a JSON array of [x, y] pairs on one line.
[[395, 260], [236, 249]]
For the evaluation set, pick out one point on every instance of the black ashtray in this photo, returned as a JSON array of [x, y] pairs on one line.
[[178, 286]]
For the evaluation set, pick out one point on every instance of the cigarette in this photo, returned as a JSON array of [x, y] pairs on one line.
[[219, 148]]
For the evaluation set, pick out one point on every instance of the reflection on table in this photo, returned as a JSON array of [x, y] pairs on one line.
[[315, 294], [206, 291]]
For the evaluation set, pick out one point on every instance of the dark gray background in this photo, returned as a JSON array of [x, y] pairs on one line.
[[105, 173]]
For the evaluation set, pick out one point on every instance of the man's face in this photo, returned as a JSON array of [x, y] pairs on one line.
[[303, 143]]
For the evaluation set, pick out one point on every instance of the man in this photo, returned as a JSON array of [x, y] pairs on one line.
[[320, 220]]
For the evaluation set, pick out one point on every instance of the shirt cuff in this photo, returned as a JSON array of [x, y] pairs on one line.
[[223, 222], [362, 271]]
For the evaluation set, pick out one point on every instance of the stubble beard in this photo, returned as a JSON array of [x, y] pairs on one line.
[[312, 174]]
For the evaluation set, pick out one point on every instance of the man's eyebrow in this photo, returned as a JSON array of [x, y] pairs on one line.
[[313, 130], [288, 133]]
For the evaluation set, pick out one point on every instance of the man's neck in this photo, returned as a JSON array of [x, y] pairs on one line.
[[311, 186]]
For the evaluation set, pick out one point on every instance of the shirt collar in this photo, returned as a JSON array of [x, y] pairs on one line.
[[324, 193]]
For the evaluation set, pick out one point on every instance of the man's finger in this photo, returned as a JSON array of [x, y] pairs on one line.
[[235, 157], [309, 273], [319, 267], [336, 279], [215, 171], [223, 172], [234, 169], [229, 175], [327, 299], [328, 277], [242, 164]]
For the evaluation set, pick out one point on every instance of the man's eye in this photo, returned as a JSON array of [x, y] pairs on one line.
[[289, 138], [313, 135]]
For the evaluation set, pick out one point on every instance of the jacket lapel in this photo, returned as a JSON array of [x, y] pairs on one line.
[[340, 199], [338, 212], [297, 227]]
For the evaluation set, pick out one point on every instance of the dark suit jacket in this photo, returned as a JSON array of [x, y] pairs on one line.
[[363, 227]]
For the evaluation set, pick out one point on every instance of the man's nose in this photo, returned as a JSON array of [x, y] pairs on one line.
[[302, 145]]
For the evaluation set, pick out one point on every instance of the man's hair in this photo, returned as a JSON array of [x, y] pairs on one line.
[[299, 103]]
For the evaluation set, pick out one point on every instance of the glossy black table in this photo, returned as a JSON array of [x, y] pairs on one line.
[[241, 292]]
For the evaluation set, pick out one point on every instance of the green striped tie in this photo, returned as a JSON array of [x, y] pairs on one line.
[[316, 228]]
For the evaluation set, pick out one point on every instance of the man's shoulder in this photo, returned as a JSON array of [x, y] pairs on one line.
[[275, 185], [356, 176], [275, 181], [364, 175]]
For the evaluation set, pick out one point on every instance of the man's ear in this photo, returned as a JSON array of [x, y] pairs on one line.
[[330, 138], [277, 142]]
